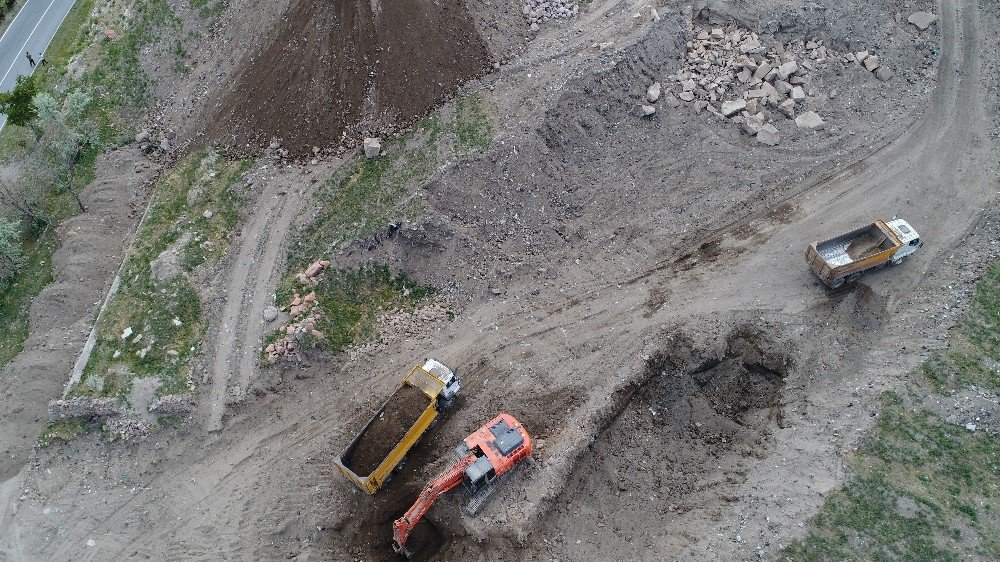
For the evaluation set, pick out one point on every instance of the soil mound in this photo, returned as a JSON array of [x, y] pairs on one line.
[[342, 64]]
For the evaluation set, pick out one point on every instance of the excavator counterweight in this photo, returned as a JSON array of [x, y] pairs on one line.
[[484, 456]]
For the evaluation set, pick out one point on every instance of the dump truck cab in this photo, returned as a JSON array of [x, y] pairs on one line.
[[907, 235]]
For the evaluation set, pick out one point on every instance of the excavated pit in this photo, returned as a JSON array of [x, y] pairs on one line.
[[677, 445]]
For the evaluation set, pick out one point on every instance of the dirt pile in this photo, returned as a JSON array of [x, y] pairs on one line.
[[388, 429], [333, 67], [677, 445]]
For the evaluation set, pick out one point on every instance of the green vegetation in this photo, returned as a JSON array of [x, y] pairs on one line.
[[351, 300], [973, 354], [62, 161], [365, 195], [920, 488], [19, 103], [62, 431], [162, 314]]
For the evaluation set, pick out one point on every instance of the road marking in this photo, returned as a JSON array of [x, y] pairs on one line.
[[39, 22], [11, 26]]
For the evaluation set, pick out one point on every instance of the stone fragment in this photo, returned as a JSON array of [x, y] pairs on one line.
[[744, 76], [641, 110], [883, 73], [686, 96], [762, 70], [810, 120], [751, 46], [922, 20], [142, 136], [782, 87], [208, 214], [798, 94], [870, 63], [689, 85], [768, 135], [861, 56], [730, 108], [787, 107], [653, 92], [753, 124], [372, 147], [787, 69], [700, 106], [270, 313]]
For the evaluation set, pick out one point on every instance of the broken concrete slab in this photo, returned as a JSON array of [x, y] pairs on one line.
[[883, 73], [810, 120], [787, 107], [686, 96], [769, 135], [753, 124], [922, 20], [798, 94], [870, 63], [730, 108], [787, 69], [372, 147]]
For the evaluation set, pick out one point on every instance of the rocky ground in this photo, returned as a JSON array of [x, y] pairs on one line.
[[628, 283]]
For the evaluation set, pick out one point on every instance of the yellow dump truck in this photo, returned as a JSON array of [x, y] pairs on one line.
[[844, 258], [383, 443]]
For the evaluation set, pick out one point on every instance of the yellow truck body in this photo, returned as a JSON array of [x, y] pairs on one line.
[[840, 258], [432, 385]]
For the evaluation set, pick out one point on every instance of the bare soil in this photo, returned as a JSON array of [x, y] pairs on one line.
[[401, 411], [91, 246], [632, 290], [335, 66]]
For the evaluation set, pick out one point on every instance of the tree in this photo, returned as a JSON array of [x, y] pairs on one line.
[[11, 257], [67, 134], [19, 103], [19, 198]]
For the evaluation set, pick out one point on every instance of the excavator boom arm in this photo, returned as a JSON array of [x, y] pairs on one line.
[[447, 480]]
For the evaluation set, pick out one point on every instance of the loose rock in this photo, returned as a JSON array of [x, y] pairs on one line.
[[810, 120]]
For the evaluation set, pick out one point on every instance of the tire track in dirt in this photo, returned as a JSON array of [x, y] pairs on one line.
[[256, 264]]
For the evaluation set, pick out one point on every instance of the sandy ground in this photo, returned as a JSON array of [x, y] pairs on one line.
[[89, 254], [632, 290]]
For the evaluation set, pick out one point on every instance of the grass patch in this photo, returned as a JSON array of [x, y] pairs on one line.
[[973, 354], [920, 488], [365, 195], [165, 316], [62, 431], [351, 300]]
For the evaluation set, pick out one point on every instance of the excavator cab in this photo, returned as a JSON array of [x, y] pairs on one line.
[[502, 440]]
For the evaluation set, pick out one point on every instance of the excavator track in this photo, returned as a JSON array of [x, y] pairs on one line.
[[489, 490]]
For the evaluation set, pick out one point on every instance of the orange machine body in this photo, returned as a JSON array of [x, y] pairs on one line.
[[484, 456]]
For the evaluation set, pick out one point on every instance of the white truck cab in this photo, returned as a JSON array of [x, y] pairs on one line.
[[907, 235]]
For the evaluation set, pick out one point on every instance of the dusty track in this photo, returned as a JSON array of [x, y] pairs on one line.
[[255, 263]]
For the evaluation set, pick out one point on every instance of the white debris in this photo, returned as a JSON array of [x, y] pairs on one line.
[[730, 108], [922, 20], [126, 332], [810, 120], [372, 147], [653, 92]]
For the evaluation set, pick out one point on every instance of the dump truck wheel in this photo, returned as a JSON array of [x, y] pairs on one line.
[[853, 277], [836, 284]]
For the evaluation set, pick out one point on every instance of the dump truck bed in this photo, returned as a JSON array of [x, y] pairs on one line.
[[399, 423], [853, 252]]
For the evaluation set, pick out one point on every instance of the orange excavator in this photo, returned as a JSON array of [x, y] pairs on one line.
[[485, 456]]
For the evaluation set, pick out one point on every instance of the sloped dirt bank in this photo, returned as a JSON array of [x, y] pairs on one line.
[[335, 66]]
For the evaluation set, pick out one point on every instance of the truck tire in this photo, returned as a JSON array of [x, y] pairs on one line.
[[853, 277], [836, 284]]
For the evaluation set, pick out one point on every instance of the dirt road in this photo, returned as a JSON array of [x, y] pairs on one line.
[[255, 264]]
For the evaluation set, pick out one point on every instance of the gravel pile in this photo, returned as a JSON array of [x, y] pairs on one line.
[[541, 11]]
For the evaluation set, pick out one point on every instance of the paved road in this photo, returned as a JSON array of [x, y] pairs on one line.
[[31, 31]]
